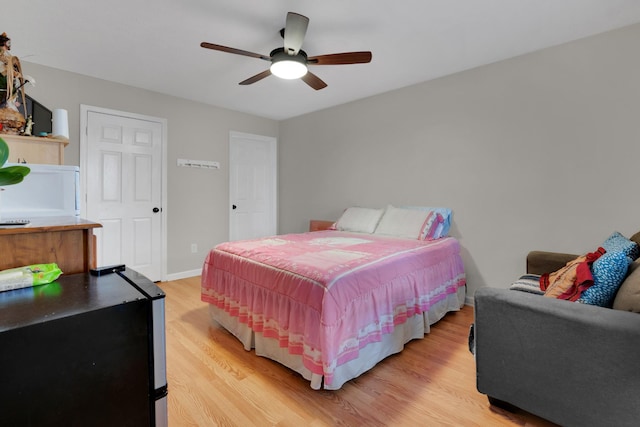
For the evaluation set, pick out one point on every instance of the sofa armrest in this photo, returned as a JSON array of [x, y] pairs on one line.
[[571, 363], [540, 262]]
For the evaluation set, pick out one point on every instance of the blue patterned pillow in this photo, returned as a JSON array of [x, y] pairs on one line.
[[608, 273], [618, 243]]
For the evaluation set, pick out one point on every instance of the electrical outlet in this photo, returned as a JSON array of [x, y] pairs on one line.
[[194, 248]]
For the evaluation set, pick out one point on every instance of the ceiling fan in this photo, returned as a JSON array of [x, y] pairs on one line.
[[290, 61]]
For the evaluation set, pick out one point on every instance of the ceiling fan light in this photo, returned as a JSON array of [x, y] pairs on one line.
[[290, 68]]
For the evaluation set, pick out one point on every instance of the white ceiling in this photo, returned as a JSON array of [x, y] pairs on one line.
[[155, 44]]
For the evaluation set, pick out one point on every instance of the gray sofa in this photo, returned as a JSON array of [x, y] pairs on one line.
[[570, 363]]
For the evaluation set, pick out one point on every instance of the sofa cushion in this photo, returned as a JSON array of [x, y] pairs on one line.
[[618, 243], [541, 262], [628, 296], [608, 273]]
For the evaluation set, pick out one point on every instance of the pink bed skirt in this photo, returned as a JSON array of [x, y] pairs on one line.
[[369, 286]]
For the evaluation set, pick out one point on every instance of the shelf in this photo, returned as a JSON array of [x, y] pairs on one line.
[[34, 149]]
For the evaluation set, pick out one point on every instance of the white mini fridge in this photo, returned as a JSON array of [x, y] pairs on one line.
[[48, 190]]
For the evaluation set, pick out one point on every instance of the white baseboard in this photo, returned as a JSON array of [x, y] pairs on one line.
[[184, 274], [468, 300]]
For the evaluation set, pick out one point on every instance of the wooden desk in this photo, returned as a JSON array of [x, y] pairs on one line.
[[67, 241]]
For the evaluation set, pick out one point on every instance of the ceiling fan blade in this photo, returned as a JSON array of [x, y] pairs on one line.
[[341, 58], [233, 50], [313, 81], [257, 77], [294, 32]]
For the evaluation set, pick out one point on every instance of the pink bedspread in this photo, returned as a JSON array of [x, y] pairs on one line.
[[327, 294]]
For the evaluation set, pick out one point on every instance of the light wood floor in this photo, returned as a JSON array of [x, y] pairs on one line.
[[213, 381]]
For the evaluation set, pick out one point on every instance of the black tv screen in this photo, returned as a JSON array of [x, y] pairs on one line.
[[40, 115]]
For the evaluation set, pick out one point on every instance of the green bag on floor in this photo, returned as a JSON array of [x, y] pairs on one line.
[[29, 275]]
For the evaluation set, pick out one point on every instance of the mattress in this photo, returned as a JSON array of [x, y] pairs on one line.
[[331, 304]]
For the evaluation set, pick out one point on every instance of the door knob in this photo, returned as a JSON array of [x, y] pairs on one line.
[[156, 210], [233, 206]]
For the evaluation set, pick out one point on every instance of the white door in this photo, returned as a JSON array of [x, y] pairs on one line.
[[253, 186], [123, 178]]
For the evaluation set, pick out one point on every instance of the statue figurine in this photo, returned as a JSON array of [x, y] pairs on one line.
[[11, 80], [29, 126]]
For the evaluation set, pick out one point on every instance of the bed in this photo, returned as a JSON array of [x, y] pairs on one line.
[[331, 304]]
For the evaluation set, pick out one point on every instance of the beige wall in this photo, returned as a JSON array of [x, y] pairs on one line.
[[536, 152], [197, 199]]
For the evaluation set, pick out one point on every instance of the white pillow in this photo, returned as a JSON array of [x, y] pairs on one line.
[[359, 220], [405, 223]]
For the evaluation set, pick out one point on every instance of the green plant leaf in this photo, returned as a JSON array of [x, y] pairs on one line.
[[4, 152], [21, 170], [13, 174]]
